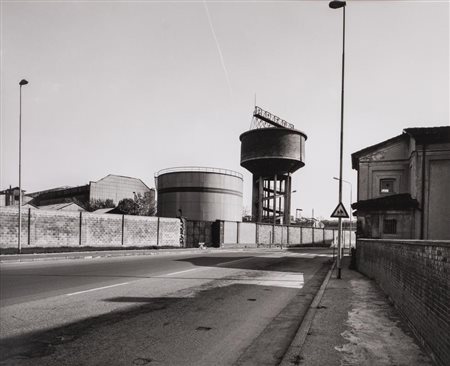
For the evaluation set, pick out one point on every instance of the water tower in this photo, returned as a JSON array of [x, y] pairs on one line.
[[272, 150]]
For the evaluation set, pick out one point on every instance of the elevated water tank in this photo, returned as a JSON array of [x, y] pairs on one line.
[[270, 151], [199, 193]]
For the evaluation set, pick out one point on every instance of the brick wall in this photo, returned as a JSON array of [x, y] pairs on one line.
[[416, 276], [42, 228]]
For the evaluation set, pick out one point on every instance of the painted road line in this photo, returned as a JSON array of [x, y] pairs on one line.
[[97, 288], [174, 273]]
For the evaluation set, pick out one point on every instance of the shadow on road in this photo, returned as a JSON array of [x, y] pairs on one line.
[[282, 264], [189, 311]]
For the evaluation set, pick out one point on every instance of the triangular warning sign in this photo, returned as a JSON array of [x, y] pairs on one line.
[[340, 211]]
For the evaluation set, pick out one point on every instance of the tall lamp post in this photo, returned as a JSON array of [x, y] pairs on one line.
[[337, 4], [350, 206], [19, 244]]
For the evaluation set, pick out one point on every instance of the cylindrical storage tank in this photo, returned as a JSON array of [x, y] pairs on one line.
[[270, 151], [204, 194]]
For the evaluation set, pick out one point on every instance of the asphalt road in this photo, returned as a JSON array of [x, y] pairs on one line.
[[221, 308]]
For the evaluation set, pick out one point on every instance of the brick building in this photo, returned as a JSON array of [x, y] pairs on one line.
[[403, 186]]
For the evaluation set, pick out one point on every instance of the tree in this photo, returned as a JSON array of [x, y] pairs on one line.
[[96, 204], [128, 206], [141, 205]]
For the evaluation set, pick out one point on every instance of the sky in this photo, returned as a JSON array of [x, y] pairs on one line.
[[133, 87]]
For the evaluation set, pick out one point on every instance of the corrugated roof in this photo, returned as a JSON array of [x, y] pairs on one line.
[[58, 206]]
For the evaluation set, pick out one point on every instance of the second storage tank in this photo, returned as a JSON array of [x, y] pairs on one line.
[[200, 193]]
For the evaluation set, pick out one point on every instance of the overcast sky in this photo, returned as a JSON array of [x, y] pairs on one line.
[[133, 87]]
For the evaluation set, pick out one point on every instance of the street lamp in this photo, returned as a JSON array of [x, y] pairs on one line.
[[350, 210], [21, 83], [336, 4]]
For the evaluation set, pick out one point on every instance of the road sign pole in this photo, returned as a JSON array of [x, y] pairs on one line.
[[339, 248], [341, 143]]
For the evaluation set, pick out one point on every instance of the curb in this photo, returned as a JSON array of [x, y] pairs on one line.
[[19, 258], [291, 357], [15, 258], [23, 258]]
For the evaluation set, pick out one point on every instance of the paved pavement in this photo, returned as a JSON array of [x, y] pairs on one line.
[[218, 308], [354, 324]]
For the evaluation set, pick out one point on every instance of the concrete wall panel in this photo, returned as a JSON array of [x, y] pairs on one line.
[[169, 232], [307, 235], [140, 231], [294, 235], [247, 233], [230, 232], [264, 234]]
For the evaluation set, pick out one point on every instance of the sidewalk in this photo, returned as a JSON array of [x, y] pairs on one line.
[[355, 325]]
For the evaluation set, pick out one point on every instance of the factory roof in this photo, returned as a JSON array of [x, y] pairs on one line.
[[59, 206]]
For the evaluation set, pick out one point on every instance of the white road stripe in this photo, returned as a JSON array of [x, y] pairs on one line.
[[186, 270], [98, 288]]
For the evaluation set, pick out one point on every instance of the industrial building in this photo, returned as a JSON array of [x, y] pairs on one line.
[[272, 150], [199, 193], [10, 196], [112, 187], [403, 186]]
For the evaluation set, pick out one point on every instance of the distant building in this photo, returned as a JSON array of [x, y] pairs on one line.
[[112, 187], [404, 185], [10, 197]]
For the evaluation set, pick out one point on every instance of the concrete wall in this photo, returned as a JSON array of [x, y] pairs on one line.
[[230, 232], [200, 195], [267, 234], [247, 232], [41, 228], [264, 234], [415, 275], [295, 235]]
